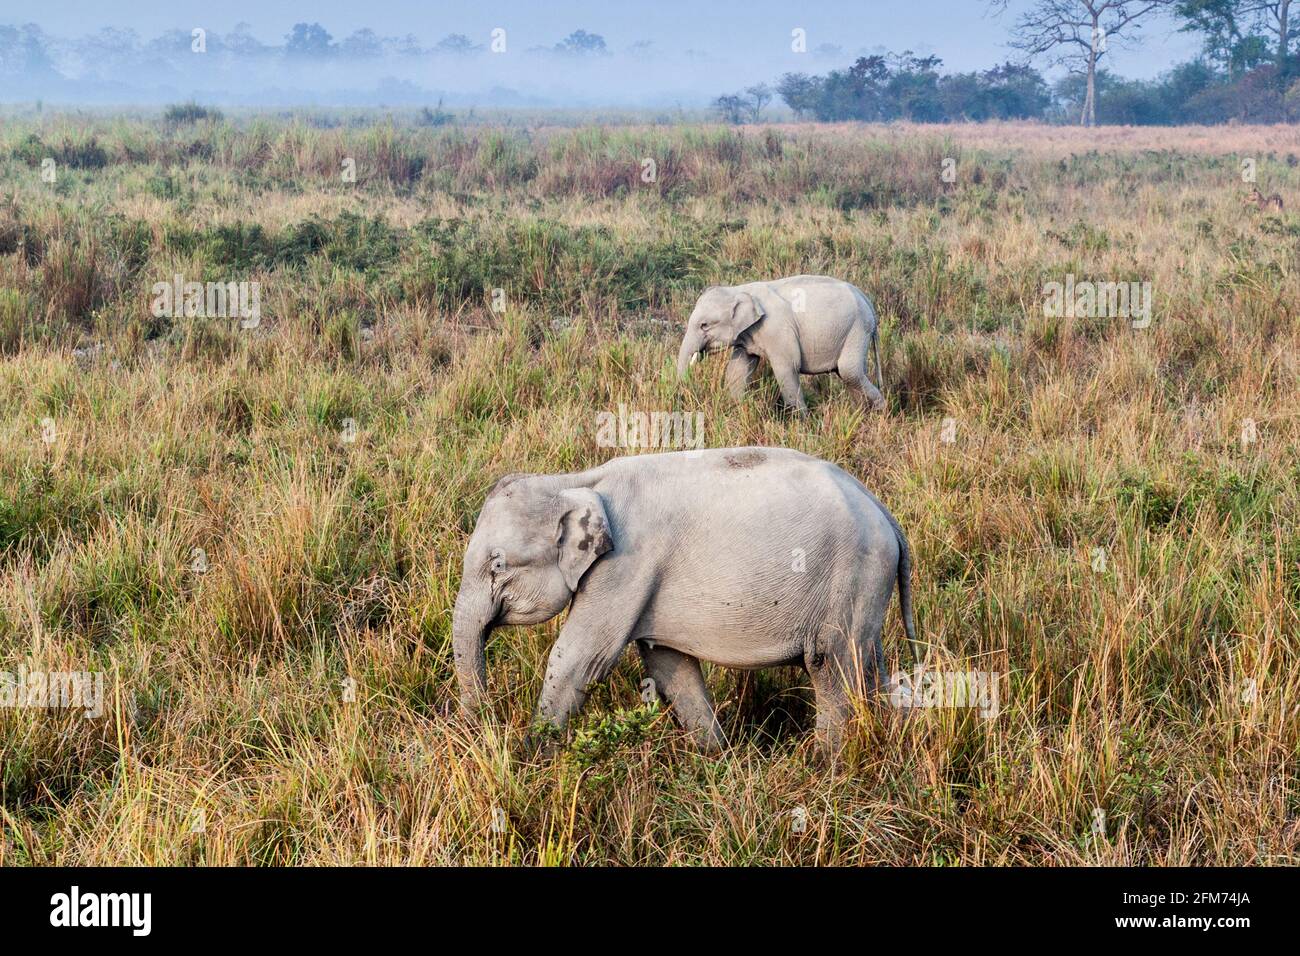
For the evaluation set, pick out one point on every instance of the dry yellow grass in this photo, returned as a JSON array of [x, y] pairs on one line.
[[1043, 140], [1159, 690]]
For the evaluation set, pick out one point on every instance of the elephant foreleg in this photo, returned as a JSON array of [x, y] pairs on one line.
[[589, 645], [679, 681], [791, 392], [740, 367]]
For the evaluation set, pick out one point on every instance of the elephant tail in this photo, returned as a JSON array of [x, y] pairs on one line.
[[905, 591], [875, 347]]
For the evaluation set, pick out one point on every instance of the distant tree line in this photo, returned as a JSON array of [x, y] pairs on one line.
[[1247, 72], [878, 88], [905, 87], [28, 47], [120, 65]]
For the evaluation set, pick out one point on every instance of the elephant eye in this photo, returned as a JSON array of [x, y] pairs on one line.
[[498, 564]]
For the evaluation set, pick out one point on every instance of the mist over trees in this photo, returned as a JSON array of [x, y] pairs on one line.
[[308, 65], [1247, 70]]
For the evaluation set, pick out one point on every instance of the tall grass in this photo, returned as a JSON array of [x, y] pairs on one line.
[[290, 698]]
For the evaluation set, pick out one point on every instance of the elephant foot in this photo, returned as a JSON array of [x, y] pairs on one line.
[[543, 742], [706, 744]]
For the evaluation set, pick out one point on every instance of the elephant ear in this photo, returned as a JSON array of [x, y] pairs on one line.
[[583, 533], [738, 316]]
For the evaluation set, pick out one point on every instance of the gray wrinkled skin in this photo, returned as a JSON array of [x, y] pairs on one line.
[[801, 325], [745, 557]]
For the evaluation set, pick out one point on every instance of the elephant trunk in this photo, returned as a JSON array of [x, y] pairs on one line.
[[692, 345], [471, 621]]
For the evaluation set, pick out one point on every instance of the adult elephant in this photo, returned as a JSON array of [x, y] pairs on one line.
[[745, 557], [802, 325]]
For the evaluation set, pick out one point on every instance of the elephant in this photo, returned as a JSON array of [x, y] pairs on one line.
[[743, 557], [802, 325]]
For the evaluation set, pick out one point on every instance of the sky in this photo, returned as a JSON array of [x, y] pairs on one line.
[[696, 48]]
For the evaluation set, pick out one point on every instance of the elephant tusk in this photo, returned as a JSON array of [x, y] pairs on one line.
[[695, 358]]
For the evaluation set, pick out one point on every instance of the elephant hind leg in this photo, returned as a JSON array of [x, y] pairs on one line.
[[852, 369], [843, 669], [835, 678], [680, 682]]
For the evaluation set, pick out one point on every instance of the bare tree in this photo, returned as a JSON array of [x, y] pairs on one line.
[[1076, 33], [759, 96]]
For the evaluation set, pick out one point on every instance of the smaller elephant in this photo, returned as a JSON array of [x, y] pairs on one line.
[[802, 325]]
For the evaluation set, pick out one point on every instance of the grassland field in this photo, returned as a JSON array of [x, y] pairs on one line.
[[267, 589]]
